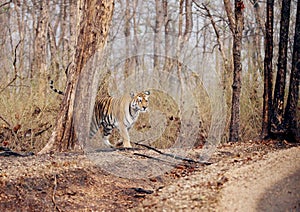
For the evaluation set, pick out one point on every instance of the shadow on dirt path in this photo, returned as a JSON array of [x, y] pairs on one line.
[[271, 184], [283, 196]]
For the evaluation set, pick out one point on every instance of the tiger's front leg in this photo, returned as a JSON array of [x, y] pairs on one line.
[[125, 136]]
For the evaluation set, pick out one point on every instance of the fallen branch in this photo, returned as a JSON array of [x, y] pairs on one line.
[[154, 158], [115, 149], [8, 152], [172, 155]]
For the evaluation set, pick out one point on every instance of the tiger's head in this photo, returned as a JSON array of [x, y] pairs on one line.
[[140, 101]]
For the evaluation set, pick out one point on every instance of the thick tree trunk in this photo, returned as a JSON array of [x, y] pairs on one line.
[[94, 26], [290, 118], [268, 72], [278, 101]]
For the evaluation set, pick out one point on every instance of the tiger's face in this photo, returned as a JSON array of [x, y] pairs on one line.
[[140, 101]]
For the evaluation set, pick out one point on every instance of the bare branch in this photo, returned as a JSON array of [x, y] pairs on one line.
[[5, 3], [229, 11], [220, 44], [15, 68]]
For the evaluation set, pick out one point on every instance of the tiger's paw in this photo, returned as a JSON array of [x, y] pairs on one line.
[[127, 145], [107, 143]]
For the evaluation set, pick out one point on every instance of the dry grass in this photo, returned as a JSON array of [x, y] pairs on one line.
[[251, 113], [29, 117], [168, 108]]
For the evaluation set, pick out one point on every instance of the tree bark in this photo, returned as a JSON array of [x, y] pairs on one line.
[[188, 20], [278, 100], [128, 44], [157, 32], [290, 118], [39, 63], [236, 26], [258, 39], [167, 20], [93, 32], [268, 72]]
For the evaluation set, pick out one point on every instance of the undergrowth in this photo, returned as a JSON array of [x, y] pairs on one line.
[[27, 119]]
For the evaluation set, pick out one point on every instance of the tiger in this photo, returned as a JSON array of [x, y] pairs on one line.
[[111, 112], [120, 113], [54, 89]]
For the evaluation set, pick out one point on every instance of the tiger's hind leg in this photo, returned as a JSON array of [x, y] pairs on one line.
[[106, 135], [106, 141]]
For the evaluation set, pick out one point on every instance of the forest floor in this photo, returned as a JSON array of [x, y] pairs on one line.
[[246, 176]]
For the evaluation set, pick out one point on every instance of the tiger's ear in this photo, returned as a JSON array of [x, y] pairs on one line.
[[131, 94], [147, 92]]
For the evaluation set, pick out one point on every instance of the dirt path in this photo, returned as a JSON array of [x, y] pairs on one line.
[[243, 180], [248, 176], [272, 184]]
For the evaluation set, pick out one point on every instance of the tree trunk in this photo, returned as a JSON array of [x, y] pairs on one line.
[[128, 44], [236, 26], [157, 32], [94, 26], [268, 72], [168, 61], [278, 100], [290, 118], [39, 63], [188, 20], [258, 38]]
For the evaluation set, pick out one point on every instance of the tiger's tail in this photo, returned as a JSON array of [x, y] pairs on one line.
[[54, 89]]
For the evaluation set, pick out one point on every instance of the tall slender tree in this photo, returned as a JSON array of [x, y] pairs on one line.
[[268, 71], [236, 21]]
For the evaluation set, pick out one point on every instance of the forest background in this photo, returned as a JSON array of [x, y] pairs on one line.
[[38, 40]]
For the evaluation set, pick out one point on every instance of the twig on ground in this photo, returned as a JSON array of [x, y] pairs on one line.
[[53, 195], [6, 122]]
